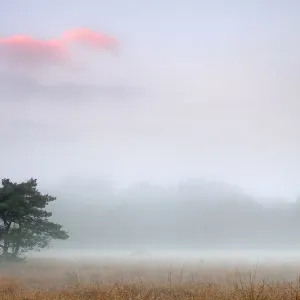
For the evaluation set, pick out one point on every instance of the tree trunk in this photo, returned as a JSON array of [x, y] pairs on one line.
[[16, 250], [18, 243], [5, 247]]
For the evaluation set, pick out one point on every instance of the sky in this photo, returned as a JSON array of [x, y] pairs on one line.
[[194, 89]]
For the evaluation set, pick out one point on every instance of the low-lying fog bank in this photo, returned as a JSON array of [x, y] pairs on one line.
[[194, 256], [110, 267]]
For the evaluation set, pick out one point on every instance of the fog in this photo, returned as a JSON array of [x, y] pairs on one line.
[[164, 126], [208, 258]]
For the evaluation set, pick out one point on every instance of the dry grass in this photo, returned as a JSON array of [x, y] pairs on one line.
[[58, 280]]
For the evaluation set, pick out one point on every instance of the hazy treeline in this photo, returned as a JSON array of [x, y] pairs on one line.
[[191, 214]]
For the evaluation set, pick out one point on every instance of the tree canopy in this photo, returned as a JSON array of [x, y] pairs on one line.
[[24, 222]]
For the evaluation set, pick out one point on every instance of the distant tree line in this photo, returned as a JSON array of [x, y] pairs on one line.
[[193, 214]]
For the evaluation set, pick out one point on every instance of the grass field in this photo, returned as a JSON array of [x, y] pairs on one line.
[[58, 279]]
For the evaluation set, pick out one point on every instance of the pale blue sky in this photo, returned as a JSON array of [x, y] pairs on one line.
[[148, 23], [224, 79]]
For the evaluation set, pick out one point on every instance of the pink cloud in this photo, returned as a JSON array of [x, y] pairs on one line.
[[24, 50]]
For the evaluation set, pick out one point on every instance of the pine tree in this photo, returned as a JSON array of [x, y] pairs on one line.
[[24, 223]]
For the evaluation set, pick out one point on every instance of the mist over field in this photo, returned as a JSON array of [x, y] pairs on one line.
[[164, 131], [197, 218]]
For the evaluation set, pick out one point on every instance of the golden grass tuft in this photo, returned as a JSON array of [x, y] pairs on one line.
[[73, 285], [196, 291]]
